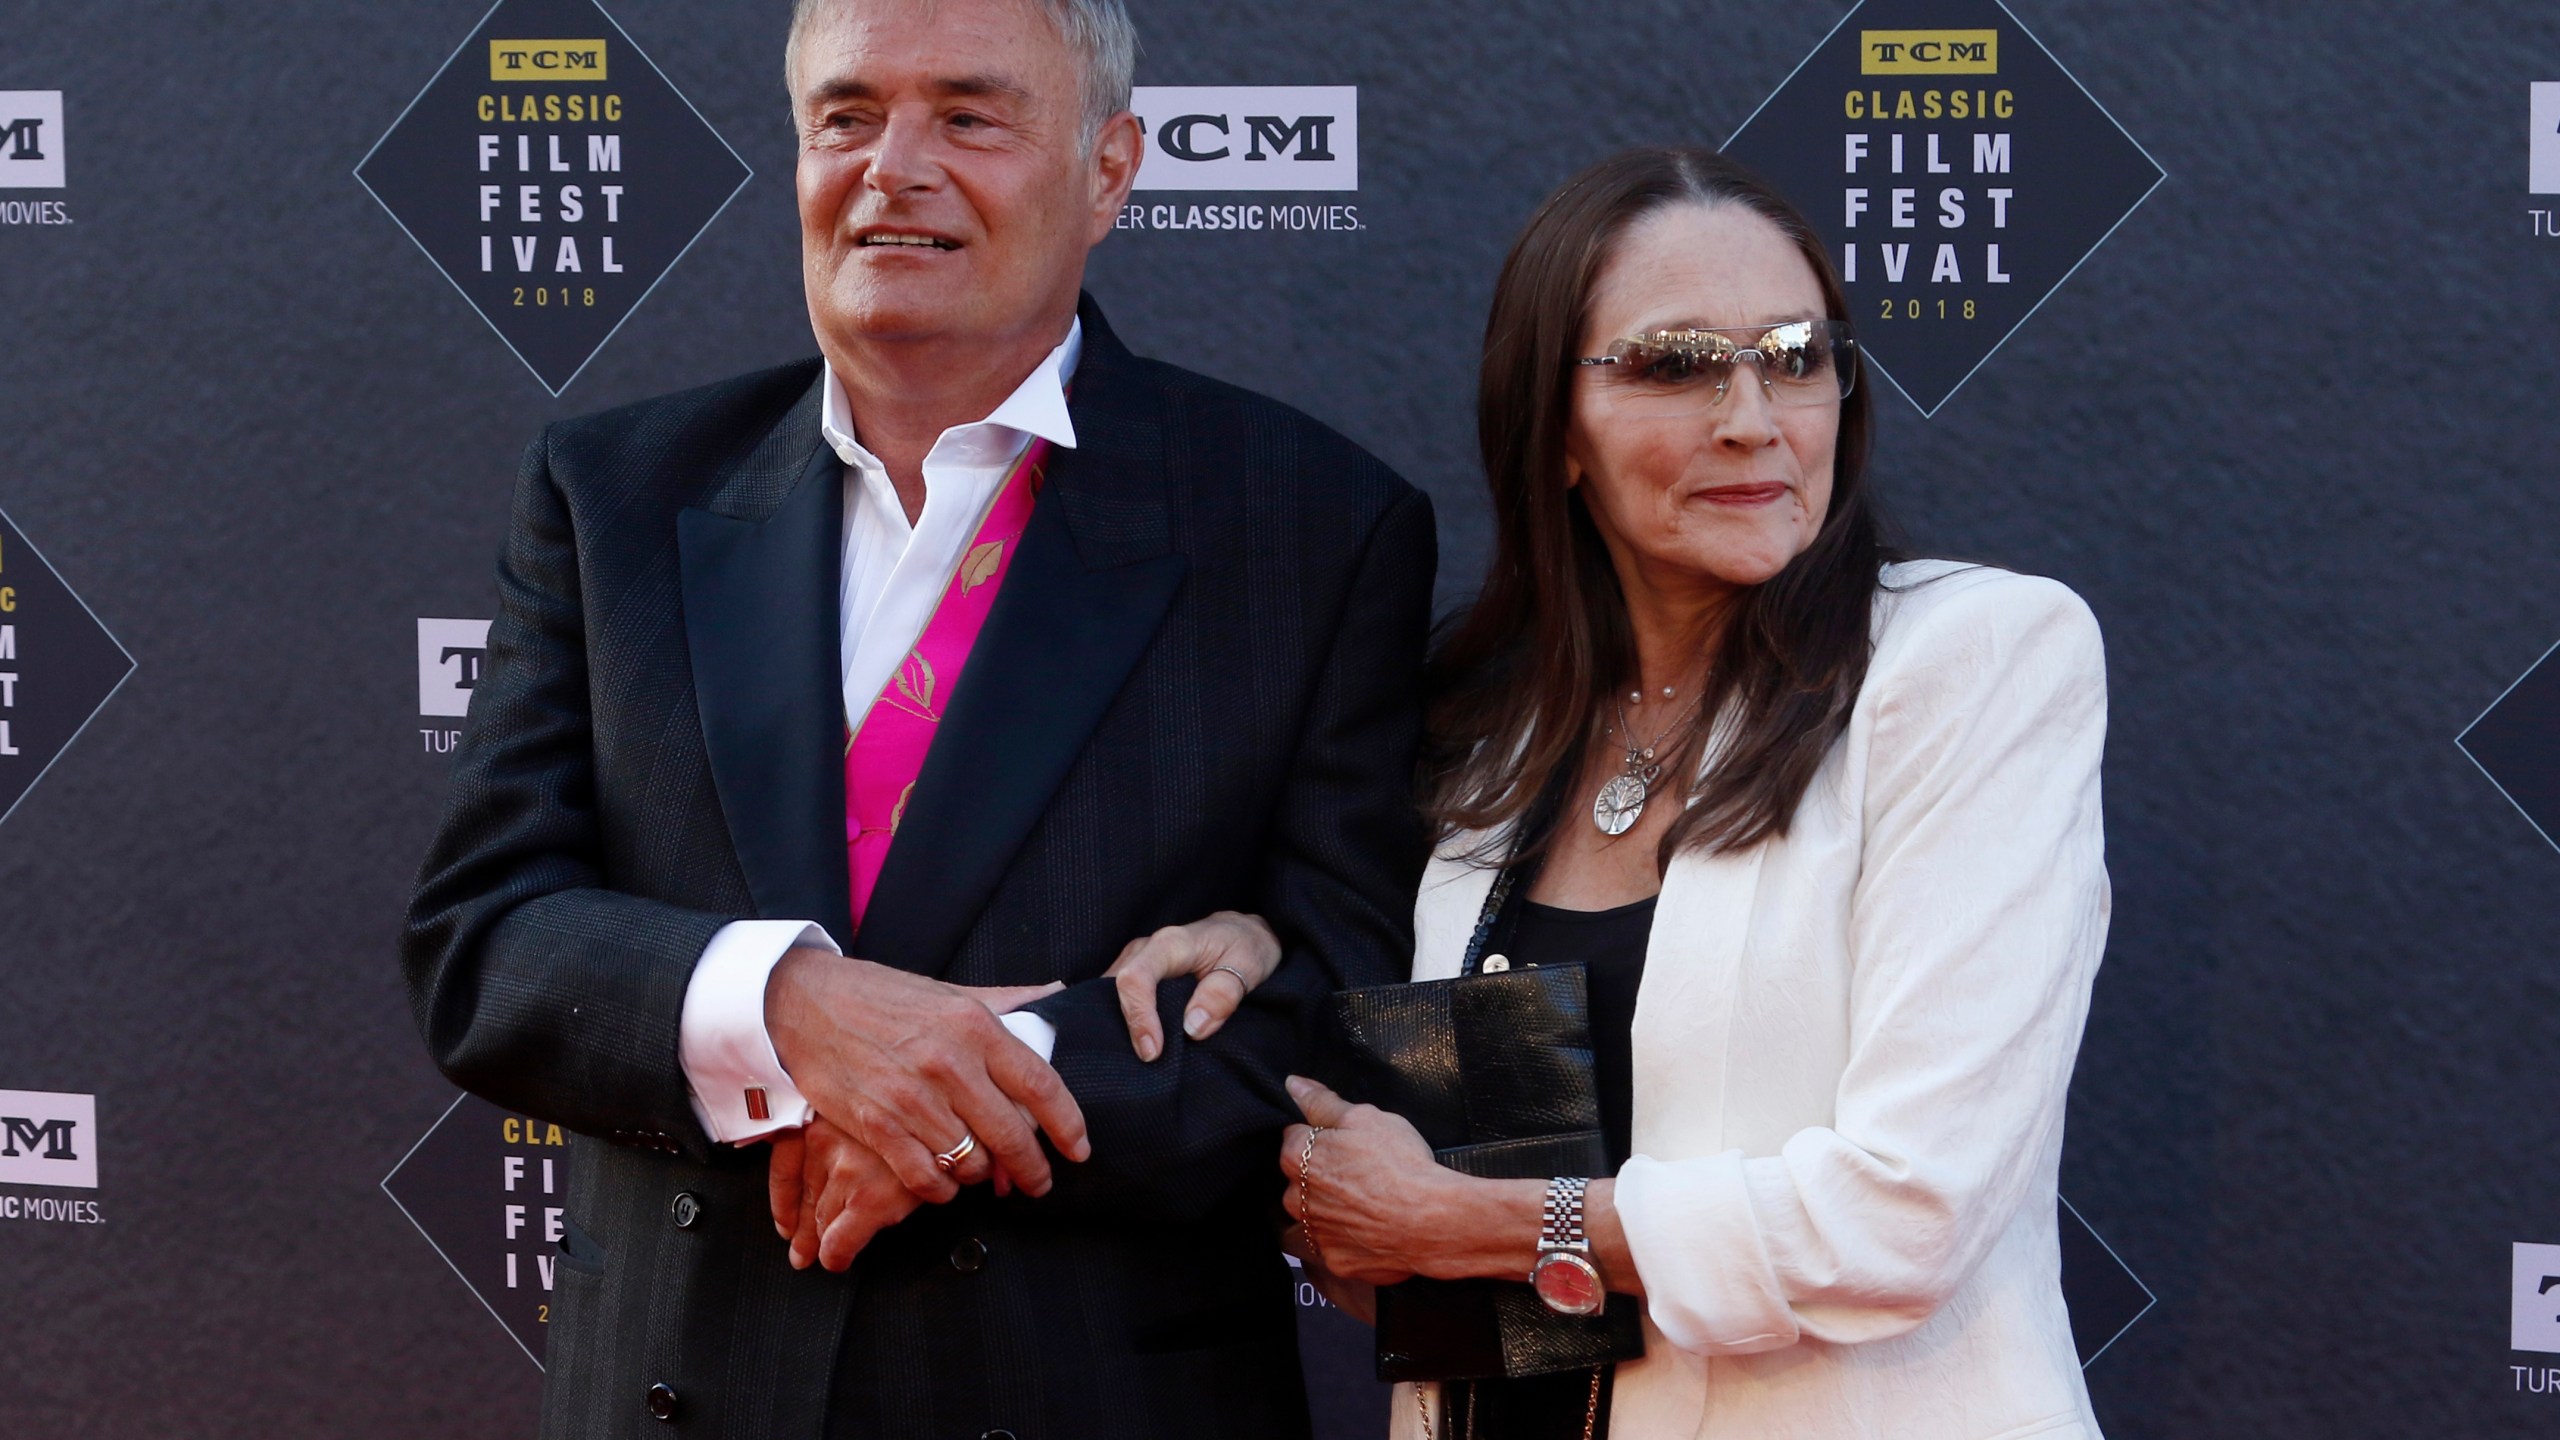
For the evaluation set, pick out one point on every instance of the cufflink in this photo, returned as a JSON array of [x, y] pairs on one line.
[[757, 1107]]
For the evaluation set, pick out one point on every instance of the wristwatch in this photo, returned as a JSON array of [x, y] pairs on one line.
[[1564, 1276]]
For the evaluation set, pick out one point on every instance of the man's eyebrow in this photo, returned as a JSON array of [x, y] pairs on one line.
[[981, 84], [829, 92]]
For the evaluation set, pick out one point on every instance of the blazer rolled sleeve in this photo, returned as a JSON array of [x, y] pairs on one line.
[[1976, 925]]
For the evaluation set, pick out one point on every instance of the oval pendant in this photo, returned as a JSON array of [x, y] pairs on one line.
[[1618, 805]]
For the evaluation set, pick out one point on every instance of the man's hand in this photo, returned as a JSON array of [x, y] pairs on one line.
[[822, 1181], [909, 1066], [831, 1195]]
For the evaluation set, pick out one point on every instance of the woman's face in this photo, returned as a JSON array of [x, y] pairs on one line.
[[1689, 490]]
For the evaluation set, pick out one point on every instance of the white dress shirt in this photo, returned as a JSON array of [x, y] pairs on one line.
[[894, 575]]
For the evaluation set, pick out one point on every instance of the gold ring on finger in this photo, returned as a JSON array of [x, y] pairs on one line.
[[949, 1160]]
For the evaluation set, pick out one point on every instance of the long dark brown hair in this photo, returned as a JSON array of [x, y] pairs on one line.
[[1518, 686]]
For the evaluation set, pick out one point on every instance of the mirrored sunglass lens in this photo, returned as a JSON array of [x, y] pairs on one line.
[[1680, 363], [1797, 355], [1802, 362], [1809, 362]]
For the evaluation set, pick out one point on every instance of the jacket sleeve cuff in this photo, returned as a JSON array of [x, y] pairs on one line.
[[1709, 1286], [739, 1090]]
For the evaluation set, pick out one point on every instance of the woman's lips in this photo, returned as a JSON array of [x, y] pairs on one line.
[[1744, 495]]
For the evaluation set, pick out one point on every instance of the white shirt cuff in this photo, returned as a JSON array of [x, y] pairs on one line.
[[740, 1091], [1031, 1030]]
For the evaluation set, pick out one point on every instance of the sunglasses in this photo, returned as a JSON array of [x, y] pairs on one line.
[[1801, 362]]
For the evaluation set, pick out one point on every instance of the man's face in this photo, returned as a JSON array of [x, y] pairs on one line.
[[945, 192]]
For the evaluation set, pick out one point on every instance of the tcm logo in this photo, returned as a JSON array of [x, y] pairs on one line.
[[2535, 1317], [30, 140], [1929, 52], [546, 60], [450, 654], [2544, 156], [48, 1139], [1249, 137]]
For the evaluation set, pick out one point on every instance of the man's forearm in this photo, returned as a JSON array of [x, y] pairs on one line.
[[741, 1090], [533, 983], [1175, 1137], [566, 1006]]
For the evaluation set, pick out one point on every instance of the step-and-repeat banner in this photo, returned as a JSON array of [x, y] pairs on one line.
[[2236, 320]]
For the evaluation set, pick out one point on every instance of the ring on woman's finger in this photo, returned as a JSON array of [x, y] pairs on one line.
[[1243, 983], [949, 1160]]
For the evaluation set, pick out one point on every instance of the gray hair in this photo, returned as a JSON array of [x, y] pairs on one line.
[[1098, 31]]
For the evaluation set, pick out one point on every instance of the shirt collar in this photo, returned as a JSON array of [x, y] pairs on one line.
[[1037, 406]]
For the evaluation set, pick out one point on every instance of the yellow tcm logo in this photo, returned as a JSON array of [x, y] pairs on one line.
[[546, 60], [1929, 52]]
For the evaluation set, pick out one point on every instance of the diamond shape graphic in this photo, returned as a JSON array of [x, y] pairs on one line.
[[2516, 743], [1958, 173], [58, 666], [555, 176], [2102, 1293], [486, 1187]]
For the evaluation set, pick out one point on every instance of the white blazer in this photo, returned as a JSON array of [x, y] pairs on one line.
[[1852, 1045]]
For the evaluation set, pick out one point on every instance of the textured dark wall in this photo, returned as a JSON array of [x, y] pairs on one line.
[[2285, 431]]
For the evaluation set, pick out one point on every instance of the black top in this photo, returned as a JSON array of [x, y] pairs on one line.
[[1611, 943]]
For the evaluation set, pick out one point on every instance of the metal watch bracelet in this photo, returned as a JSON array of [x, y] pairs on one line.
[[1565, 1276], [1562, 1227]]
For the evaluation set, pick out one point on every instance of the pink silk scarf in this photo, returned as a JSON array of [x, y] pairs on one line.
[[884, 757]]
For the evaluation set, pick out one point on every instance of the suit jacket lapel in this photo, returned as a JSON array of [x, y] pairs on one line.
[[761, 569], [1093, 579]]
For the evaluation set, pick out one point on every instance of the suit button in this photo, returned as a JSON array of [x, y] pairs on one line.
[[997, 1435], [662, 1401], [969, 1257], [685, 1210]]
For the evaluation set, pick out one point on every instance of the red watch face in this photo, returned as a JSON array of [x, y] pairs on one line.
[[1568, 1283]]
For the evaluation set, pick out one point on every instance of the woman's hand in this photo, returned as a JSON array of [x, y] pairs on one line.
[[1354, 1299], [1371, 1190], [1385, 1209], [1231, 953]]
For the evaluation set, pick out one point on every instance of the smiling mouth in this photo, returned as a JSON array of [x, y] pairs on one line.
[[907, 242]]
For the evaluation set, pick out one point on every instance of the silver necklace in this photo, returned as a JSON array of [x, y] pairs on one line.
[[1620, 802]]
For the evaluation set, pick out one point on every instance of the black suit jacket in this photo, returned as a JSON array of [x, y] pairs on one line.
[[1197, 690]]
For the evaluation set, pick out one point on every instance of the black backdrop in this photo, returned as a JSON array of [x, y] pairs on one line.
[[2285, 430]]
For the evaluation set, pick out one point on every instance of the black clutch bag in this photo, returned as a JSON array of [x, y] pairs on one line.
[[1495, 1070]]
